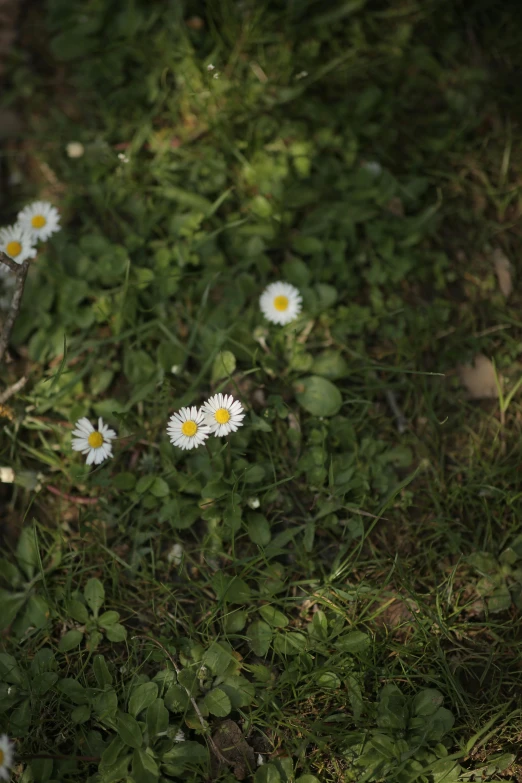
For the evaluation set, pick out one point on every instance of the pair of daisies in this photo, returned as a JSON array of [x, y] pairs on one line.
[[35, 223], [187, 429]]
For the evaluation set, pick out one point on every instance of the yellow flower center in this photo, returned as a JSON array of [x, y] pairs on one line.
[[1, 757], [281, 303], [13, 248], [189, 428], [95, 440], [38, 221], [222, 416]]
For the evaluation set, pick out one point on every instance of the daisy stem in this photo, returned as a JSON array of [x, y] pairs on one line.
[[21, 274]]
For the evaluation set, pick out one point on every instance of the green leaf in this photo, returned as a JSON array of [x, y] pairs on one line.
[[290, 643], [259, 529], [307, 778], [27, 551], [318, 396], [143, 696], [77, 611], [117, 772], [329, 680], [273, 616], [124, 481], [159, 488], [73, 690], [217, 658], [9, 670], [94, 593], [177, 699], [267, 773], [186, 753], [144, 767], [20, 719], [330, 364], [144, 484], [427, 701], [129, 730], [108, 618], [259, 635], [70, 640], [81, 714], [10, 604], [93, 640], [223, 366], [105, 705], [353, 642], [43, 682], [157, 718], [101, 671], [235, 621], [116, 633], [217, 703], [231, 589]]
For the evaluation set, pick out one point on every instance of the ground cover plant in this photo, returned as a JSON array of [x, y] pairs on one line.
[[329, 589]]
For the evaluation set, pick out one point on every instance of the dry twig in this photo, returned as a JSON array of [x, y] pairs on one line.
[[20, 271]]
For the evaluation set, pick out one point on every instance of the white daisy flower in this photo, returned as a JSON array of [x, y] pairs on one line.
[[95, 443], [6, 757], [280, 303], [17, 243], [187, 429], [223, 414], [40, 220]]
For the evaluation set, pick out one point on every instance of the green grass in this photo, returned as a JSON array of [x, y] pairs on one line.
[[346, 598]]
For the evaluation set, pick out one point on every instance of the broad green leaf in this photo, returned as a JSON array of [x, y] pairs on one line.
[[186, 752], [9, 670], [217, 658], [307, 778], [70, 640], [235, 621], [217, 703], [10, 604], [129, 730], [231, 589], [259, 529], [101, 671], [144, 484], [143, 696], [20, 719], [330, 364], [73, 690], [117, 772], [81, 714], [318, 396], [144, 767], [329, 680], [108, 618], [427, 701], [124, 481], [94, 593], [116, 633], [223, 366], [273, 616], [177, 699], [27, 551], [43, 682], [290, 643], [157, 718], [267, 773], [159, 488], [77, 611], [353, 642], [105, 705], [259, 636]]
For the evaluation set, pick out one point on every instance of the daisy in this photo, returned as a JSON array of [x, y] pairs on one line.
[[187, 428], [223, 414], [17, 243], [95, 443], [40, 220], [280, 303], [6, 757]]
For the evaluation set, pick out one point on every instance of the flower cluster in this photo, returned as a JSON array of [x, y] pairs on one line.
[[219, 416], [188, 428], [36, 222]]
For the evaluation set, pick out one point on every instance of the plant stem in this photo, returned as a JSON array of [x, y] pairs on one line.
[[21, 273]]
